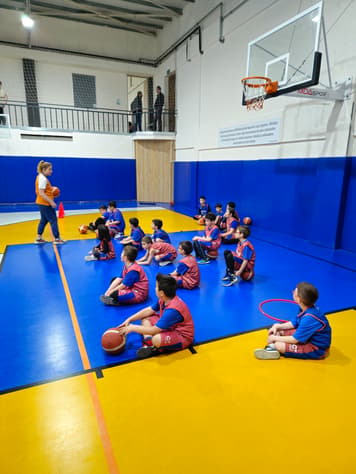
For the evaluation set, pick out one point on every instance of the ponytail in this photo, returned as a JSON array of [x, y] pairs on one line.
[[42, 165]]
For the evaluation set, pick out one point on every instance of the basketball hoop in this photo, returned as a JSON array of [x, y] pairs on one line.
[[255, 90]]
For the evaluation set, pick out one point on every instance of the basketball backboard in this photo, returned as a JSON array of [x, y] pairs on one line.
[[289, 53]]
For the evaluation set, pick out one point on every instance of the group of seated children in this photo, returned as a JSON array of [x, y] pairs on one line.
[[168, 325]]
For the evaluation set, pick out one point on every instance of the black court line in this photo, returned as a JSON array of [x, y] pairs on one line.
[[99, 370], [291, 249]]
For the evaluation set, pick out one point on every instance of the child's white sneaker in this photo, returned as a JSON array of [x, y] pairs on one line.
[[89, 258], [268, 353]]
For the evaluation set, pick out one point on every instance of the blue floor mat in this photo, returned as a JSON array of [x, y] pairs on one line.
[[37, 338]]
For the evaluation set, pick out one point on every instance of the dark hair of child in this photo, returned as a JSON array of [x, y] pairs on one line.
[[103, 206], [134, 221], [112, 204], [245, 231], [147, 239], [187, 246], [103, 232], [231, 204], [307, 293], [203, 197], [167, 284], [218, 205], [158, 223], [130, 253], [210, 216]]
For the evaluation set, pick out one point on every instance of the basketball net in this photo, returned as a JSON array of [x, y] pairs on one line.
[[255, 90]]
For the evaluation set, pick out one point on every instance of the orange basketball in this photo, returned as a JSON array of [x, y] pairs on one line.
[[201, 221], [247, 220], [55, 191], [212, 253], [83, 229], [112, 341]]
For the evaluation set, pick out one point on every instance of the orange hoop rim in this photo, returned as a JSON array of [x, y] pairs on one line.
[[246, 82]]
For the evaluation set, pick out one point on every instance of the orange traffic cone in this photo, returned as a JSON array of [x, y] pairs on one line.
[[60, 210]]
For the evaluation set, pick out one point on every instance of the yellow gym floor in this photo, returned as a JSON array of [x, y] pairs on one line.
[[219, 410]]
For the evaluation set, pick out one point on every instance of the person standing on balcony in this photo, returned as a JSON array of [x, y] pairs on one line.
[[136, 109], [3, 102], [158, 107]]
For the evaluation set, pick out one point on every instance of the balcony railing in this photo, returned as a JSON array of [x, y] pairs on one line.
[[73, 119]]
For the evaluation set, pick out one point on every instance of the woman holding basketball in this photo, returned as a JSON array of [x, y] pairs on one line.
[[46, 204]]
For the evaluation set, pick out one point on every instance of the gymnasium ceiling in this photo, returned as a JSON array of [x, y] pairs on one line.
[[147, 17]]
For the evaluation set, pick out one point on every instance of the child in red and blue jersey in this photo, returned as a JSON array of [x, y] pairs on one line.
[[187, 272], [115, 221], [159, 235], [131, 286], [161, 252], [232, 223], [240, 264], [105, 250], [307, 336], [136, 234], [209, 243], [166, 326], [203, 209]]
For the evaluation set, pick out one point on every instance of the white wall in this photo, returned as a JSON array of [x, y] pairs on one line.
[[209, 89], [86, 145], [208, 86]]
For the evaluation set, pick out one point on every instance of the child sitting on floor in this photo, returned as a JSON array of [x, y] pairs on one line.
[[187, 272], [100, 220], [240, 264], [306, 336], [105, 250], [161, 252], [136, 235], [159, 235], [131, 286]]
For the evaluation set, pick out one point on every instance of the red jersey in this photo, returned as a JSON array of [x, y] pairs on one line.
[[164, 249], [141, 286], [186, 327], [191, 278]]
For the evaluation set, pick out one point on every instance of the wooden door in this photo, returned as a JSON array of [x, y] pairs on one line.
[[154, 170]]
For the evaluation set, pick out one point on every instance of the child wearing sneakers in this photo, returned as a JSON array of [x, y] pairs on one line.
[[166, 326], [211, 241], [159, 235], [161, 252], [240, 264], [131, 286], [187, 272], [135, 237], [307, 336], [105, 250]]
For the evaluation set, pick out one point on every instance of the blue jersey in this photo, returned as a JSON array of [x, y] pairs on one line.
[[312, 326], [161, 234], [170, 317], [203, 209], [136, 235], [116, 215]]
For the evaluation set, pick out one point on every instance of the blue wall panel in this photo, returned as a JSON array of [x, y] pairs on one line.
[[299, 197], [80, 179], [348, 239]]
